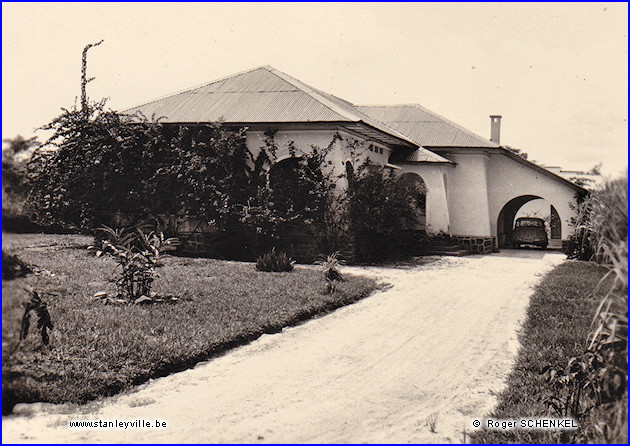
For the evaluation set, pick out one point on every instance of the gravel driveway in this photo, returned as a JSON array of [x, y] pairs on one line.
[[412, 364]]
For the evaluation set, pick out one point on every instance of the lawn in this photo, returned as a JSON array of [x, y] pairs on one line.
[[558, 322], [98, 349]]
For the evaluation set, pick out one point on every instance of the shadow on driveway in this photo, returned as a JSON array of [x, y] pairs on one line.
[[532, 253]]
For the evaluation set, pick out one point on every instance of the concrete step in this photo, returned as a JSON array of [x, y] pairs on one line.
[[454, 253], [439, 246], [445, 247]]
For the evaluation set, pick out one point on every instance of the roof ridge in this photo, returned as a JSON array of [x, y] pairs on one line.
[[426, 110], [314, 93], [197, 87], [355, 115], [465, 130]]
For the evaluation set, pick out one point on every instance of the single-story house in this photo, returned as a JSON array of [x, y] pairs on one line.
[[474, 186]]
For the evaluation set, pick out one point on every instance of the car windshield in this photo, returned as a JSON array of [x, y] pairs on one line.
[[526, 223]]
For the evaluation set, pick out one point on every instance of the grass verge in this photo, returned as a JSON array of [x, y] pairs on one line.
[[97, 350], [558, 321]]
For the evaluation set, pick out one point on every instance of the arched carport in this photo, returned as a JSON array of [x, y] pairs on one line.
[[513, 182], [505, 221]]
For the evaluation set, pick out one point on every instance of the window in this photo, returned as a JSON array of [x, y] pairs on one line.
[[537, 223]]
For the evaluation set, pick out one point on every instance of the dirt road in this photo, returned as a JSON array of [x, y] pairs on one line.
[[428, 354]]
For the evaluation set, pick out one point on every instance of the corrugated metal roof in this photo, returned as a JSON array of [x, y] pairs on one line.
[[425, 127], [258, 95], [267, 95]]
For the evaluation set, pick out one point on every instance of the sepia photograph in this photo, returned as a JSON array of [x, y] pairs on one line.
[[303, 222]]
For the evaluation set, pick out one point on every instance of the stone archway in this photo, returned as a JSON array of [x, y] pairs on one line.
[[505, 221]]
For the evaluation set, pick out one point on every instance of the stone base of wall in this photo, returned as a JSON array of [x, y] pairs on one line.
[[200, 243], [303, 248], [479, 245]]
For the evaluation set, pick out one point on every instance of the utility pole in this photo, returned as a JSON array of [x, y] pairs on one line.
[[85, 80]]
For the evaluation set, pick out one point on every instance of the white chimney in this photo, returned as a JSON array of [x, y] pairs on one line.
[[495, 129]]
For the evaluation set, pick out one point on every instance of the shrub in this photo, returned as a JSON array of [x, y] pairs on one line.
[[106, 163], [379, 204], [13, 267], [579, 245], [602, 218], [274, 262]]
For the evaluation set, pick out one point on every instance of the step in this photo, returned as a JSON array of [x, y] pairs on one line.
[[443, 242], [449, 247], [454, 253]]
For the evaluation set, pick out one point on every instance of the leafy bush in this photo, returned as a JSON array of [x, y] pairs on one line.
[[13, 267], [579, 245], [274, 262], [109, 163], [601, 218], [15, 184], [379, 204]]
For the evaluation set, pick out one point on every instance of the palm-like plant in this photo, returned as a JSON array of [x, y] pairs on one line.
[[137, 254], [330, 267]]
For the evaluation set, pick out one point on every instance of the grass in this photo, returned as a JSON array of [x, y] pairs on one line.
[[558, 321], [97, 350]]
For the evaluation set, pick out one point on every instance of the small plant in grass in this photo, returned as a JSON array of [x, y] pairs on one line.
[[43, 317], [137, 254], [275, 262], [330, 267]]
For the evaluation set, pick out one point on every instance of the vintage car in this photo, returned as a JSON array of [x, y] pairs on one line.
[[529, 231]]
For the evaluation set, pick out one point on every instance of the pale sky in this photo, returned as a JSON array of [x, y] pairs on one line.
[[557, 73]]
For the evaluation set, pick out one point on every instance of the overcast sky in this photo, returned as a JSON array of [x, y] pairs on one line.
[[556, 72]]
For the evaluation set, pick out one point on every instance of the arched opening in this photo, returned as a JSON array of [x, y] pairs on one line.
[[419, 192], [555, 225], [529, 207], [289, 182]]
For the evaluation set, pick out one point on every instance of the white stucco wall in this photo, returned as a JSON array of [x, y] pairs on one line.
[[462, 200], [509, 179], [437, 213], [467, 195], [304, 139]]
